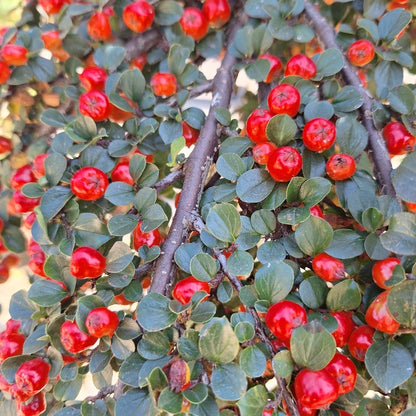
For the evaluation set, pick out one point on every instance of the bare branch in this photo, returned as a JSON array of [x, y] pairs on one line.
[[378, 153], [142, 43]]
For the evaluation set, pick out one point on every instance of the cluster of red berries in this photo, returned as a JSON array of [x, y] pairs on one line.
[[11, 55], [30, 378]]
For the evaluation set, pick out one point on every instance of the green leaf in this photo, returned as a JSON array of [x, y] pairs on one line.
[[372, 219], [170, 130], [406, 188], [223, 222], [55, 166], [120, 225], [253, 361], [157, 379], [400, 238], [169, 401], [203, 267], [135, 402], [313, 235], [161, 316], [371, 27], [90, 231], [21, 307], [46, 293], [315, 109], [352, 137], [258, 69], [228, 382], [230, 166], [153, 217], [168, 12], [283, 364], [130, 368], [99, 361], [13, 239], [313, 292], [389, 363], [401, 301], [402, 99], [132, 83], [98, 408], [254, 185], [53, 118], [43, 69], [281, 129], [223, 116], [237, 145], [109, 57], [240, 263], [82, 129], [387, 75], [207, 407], [392, 23], [274, 281], [312, 346], [253, 402], [313, 191], [244, 331], [203, 312], [53, 200], [218, 342], [85, 305], [177, 58], [344, 296], [263, 221], [120, 193], [67, 390], [346, 244], [145, 198], [271, 252], [185, 253], [119, 257], [293, 215], [196, 395], [329, 63], [347, 99], [121, 348], [36, 341]]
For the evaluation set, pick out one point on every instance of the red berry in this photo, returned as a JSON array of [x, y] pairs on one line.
[[93, 78], [163, 84], [4, 272], [256, 125], [22, 176], [73, 339], [189, 133], [14, 54], [360, 339], [20, 203], [34, 408], [99, 27], [101, 322], [340, 167], [301, 66], [283, 317], [194, 23], [328, 268], [32, 376], [217, 12], [139, 62], [39, 165], [275, 67], [94, 104], [5, 72], [87, 262], [379, 317], [52, 39], [89, 183], [36, 263], [185, 288], [138, 16], [11, 260], [140, 238], [360, 52], [382, 271], [345, 327], [261, 152], [315, 389], [316, 211], [319, 134], [52, 6], [11, 344], [284, 99], [284, 163], [121, 173], [344, 371], [4, 384], [5, 144], [398, 139]]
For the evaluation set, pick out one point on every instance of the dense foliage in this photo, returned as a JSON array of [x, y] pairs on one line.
[[254, 261]]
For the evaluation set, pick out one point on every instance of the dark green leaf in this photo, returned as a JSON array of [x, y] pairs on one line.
[[120, 225], [253, 402], [119, 257], [53, 118], [313, 235], [313, 191], [53, 200], [132, 83], [258, 69], [400, 238], [313, 291], [348, 99], [153, 345], [230, 166], [13, 238], [168, 12], [153, 217], [228, 382], [197, 394], [36, 341], [403, 176], [43, 69], [109, 57], [223, 116], [402, 99], [203, 267], [223, 222], [263, 221], [240, 263], [401, 301], [253, 361], [283, 364], [161, 316], [185, 253], [392, 23], [315, 109], [329, 63], [352, 137], [344, 296], [346, 244], [293, 215], [203, 312], [120, 193], [46, 293], [281, 129], [254, 185], [135, 402]]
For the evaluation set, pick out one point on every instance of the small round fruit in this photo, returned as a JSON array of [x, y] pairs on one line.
[[185, 288], [52, 39], [5, 72], [382, 271], [87, 262], [328, 268], [163, 84], [189, 133], [93, 78], [121, 173], [22, 176], [94, 104], [14, 54], [360, 52], [52, 6], [35, 407], [284, 163], [217, 12], [32, 376], [89, 183], [275, 67], [139, 61], [316, 211], [11, 344], [73, 339], [301, 66], [257, 123], [379, 317], [99, 27], [141, 238], [284, 99], [345, 327], [5, 144], [319, 134], [37, 262], [344, 371], [262, 151], [340, 167], [398, 139], [315, 389], [20, 203], [39, 165], [194, 23], [101, 322], [283, 317], [138, 16], [360, 339]]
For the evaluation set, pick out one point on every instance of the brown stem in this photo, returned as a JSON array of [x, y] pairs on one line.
[[169, 180], [196, 170], [377, 150], [104, 392], [142, 43]]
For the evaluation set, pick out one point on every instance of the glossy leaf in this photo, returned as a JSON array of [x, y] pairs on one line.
[[223, 222], [228, 382], [281, 129], [313, 235]]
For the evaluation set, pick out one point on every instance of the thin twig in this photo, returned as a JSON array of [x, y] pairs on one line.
[[142, 43], [169, 180], [104, 392], [378, 153]]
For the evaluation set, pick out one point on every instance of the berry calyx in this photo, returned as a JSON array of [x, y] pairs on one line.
[[94, 104], [319, 134], [301, 66], [101, 322], [284, 163], [185, 288], [138, 16], [328, 268], [344, 371], [340, 167], [89, 183], [284, 99]]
